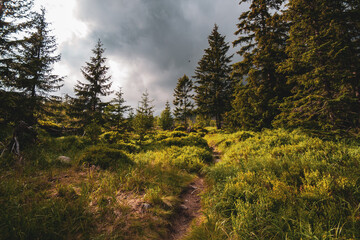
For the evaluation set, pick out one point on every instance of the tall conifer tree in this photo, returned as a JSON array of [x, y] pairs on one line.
[[115, 112], [37, 56], [15, 18], [323, 65], [214, 86], [262, 35], [88, 104], [182, 99]]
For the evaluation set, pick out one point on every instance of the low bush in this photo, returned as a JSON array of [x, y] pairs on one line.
[[70, 143], [109, 137], [184, 141], [128, 147], [177, 134], [201, 131], [189, 158], [105, 157], [180, 128]]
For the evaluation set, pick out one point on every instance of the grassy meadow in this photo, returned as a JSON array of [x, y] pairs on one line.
[[281, 184], [109, 190], [275, 184]]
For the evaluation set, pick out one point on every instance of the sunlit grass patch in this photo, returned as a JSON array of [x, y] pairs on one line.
[[121, 190], [105, 157], [280, 184]]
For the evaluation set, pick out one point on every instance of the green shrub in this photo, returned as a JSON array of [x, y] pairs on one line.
[[161, 136], [93, 132], [180, 128], [64, 144], [201, 131], [184, 141], [177, 134], [190, 158], [109, 137], [128, 147], [105, 157], [169, 134]]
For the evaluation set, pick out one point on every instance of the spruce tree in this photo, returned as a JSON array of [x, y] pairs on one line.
[[144, 119], [214, 86], [323, 65], [130, 120], [182, 99], [115, 112], [262, 36], [166, 120], [37, 56], [88, 105], [15, 19]]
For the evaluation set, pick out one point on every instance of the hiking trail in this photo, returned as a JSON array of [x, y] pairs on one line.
[[190, 207]]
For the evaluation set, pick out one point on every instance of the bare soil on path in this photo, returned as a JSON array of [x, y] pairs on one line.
[[189, 209]]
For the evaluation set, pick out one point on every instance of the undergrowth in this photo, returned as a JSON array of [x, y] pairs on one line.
[[281, 185], [111, 190]]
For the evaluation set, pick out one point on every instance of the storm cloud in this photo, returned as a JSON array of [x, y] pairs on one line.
[[149, 43]]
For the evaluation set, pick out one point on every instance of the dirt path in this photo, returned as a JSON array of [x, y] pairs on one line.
[[188, 210]]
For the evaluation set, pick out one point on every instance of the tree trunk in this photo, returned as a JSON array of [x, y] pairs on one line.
[[1, 8], [218, 121]]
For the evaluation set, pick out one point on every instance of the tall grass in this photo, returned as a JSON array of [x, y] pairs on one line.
[[283, 185], [113, 190]]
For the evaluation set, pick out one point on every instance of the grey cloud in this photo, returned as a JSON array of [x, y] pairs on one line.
[[160, 40]]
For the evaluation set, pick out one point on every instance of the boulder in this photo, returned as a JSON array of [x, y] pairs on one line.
[[64, 159]]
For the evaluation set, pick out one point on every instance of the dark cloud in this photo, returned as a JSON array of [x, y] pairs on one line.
[[154, 41]]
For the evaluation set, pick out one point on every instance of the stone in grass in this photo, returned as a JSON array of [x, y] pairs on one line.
[[145, 207], [184, 207], [64, 159]]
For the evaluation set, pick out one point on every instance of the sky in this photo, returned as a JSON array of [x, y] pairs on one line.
[[149, 44]]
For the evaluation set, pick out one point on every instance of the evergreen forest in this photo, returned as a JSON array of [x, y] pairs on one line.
[[267, 147]]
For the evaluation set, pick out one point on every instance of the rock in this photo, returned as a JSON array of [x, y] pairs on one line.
[[182, 206], [64, 159], [145, 207], [193, 187]]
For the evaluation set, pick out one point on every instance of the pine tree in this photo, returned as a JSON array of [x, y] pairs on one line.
[[15, 18], [214, 86], [130, 120], [36, 58], [166, 120], [144, 119], [87, 105], [115, 112], [323, 65], [183, 104], [262, 35]]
